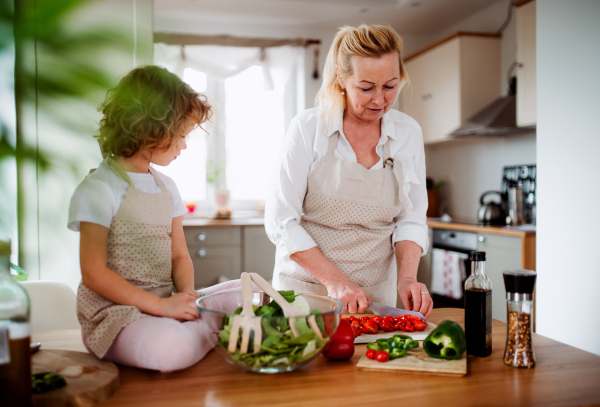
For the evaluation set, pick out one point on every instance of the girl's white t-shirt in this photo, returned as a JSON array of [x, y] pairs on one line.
[[100, 195]]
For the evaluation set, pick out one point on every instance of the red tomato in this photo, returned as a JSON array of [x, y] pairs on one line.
[[386, 327], [397, 326], [356, 331], [377, 319], [364, 319], [398, 318], [420, 325], [371, 326], [353, 318], [364, 330], [371, 354], [389, 319], [410, 327], [382, 356]]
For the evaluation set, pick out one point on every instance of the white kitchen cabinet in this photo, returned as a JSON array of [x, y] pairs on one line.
[[526, 57], [259, 252], [451, 81]]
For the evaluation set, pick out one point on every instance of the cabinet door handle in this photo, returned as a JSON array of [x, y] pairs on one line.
[[201, 237], [482, 239], [202, 252], [427, 96]]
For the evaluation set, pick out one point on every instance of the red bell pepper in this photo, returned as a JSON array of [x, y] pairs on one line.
[[341, 344]]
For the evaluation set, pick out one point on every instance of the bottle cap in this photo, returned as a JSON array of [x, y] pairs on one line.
[[477, 256], [519, 281], [4, 248]]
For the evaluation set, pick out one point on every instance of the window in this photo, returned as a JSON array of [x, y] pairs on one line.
[[243, 143]]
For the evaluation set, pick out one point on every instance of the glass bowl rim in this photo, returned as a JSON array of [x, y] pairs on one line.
[[221, 313]]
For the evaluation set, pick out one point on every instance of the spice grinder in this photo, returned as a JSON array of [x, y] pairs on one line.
[[519, 286]]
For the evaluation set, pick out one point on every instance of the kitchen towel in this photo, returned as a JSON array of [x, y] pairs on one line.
[[447, 273]]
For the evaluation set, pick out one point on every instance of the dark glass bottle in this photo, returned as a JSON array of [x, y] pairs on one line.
[[478, 308], [15, 359]]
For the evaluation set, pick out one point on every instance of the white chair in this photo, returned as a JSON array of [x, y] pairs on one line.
[[53, 306]]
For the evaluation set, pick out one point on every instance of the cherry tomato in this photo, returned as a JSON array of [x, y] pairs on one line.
[[389, 319], [382, 356], [353, 318], [347, 319], [398, 318], [397, 326], [420, 325], [377, 319], [371, 326], [356, 331], [410, 327], [355, 324], [371, 354], [386, 327], [364, 319], [364, 330]]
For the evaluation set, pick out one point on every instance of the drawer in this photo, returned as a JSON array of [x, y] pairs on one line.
[[212, 261], [506, 242], [212, 235]]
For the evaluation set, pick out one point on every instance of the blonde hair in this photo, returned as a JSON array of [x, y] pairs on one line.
[[364, 41]]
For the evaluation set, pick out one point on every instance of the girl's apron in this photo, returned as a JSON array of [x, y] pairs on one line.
[[139, 250], [349, 212]]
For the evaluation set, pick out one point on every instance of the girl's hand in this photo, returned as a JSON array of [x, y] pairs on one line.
[[417, 293], [350, 294], [180, 306]]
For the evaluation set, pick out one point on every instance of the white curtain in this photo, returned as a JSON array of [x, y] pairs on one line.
[[224, 62]]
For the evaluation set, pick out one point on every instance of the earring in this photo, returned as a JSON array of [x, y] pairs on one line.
[[343, 92]]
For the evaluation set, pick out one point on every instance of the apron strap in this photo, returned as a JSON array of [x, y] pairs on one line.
[[160, 184], [118, 170], [332, 144]]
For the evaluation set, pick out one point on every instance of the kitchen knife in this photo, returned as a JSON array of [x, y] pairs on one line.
[[383, 310]]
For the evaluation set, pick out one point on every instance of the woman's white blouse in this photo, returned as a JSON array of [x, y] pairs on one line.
[[306, 142]]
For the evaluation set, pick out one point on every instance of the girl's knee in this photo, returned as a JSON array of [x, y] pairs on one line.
[[176, 348]]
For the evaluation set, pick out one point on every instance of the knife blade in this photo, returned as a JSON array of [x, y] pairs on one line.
[[383, 310]]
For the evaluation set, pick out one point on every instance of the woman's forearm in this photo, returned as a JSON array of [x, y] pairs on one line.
[[319, 266], [408, 254]]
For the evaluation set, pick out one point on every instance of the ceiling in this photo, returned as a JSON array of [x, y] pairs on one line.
[[418, 17]]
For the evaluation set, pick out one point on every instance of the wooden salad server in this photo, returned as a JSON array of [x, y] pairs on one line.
[[247, 321]]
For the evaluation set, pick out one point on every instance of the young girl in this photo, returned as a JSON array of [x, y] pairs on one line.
[[132, 246]]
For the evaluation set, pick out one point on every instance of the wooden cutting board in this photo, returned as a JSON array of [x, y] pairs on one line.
[[89, 380], [417, 336], [417, 361]]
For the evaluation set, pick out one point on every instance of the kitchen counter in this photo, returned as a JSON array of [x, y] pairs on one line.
[[250, 218], [469, 225], [564, 376]]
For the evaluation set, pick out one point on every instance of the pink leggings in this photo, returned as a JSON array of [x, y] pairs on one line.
[[164, 344]]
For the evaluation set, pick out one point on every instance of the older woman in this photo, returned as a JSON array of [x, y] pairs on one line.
[[349, 191]]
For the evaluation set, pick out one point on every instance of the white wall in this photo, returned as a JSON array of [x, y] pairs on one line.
[[475, 166], [568, 150]]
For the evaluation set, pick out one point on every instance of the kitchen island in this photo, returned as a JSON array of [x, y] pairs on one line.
[[564, 376]]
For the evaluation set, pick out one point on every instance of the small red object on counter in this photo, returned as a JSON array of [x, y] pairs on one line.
[[341, 344], [371, 354], [382, 356]]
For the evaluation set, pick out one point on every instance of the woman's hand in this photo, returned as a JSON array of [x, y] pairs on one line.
[[350, 294], [415, 296], [180, 306]]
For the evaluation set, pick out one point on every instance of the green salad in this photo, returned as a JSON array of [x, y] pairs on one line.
[[279, 346]]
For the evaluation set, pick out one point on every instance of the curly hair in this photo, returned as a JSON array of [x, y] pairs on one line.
[[148, 109], [365, 41]]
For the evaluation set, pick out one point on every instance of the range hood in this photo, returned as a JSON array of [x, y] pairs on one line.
[[497, 119]]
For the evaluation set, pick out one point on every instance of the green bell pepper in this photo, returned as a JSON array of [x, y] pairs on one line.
[[373, 345], [397, 353], [403, 342], [383, 344], [447, 341]]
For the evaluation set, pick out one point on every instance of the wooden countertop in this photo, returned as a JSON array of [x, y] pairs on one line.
[[254, 219], [564, 376]]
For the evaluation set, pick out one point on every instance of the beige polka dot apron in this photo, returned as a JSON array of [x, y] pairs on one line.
[[139, 250], [349, 211]]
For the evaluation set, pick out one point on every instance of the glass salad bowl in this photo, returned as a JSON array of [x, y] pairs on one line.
[[280, 350]]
